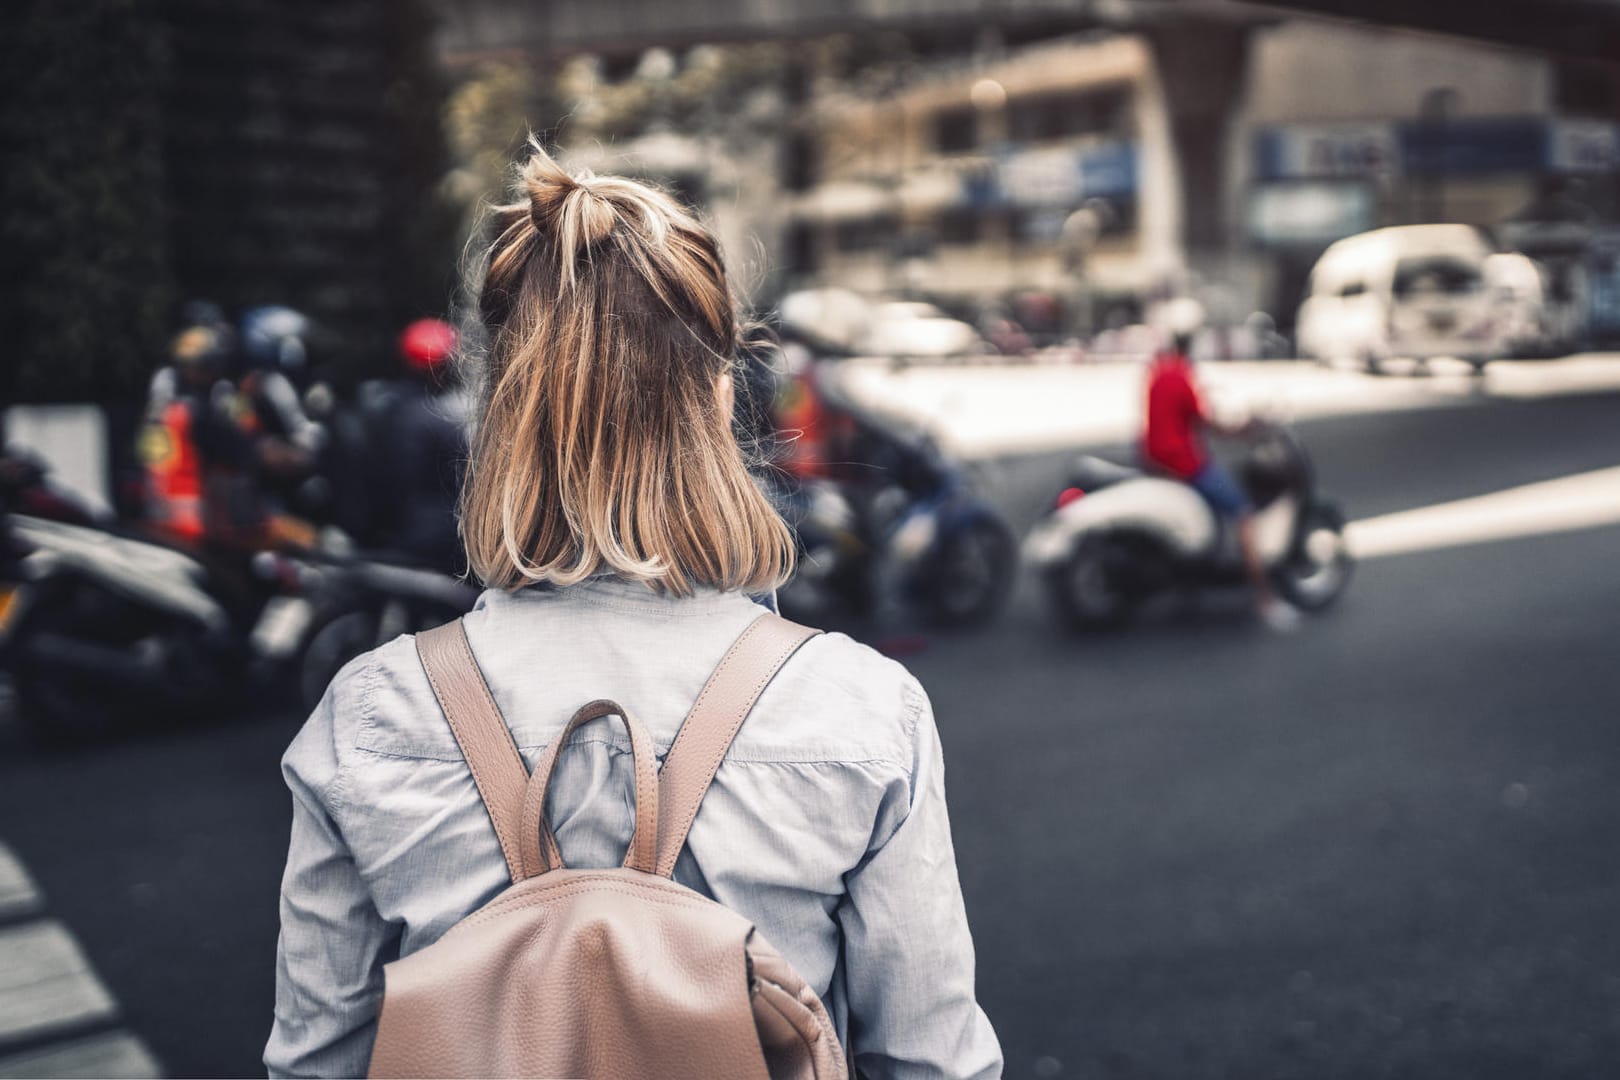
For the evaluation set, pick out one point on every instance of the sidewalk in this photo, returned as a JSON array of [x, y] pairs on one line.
[[984, 410], [57, 1019]]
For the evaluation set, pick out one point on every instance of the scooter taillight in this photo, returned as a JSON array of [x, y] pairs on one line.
[[1067, 496]]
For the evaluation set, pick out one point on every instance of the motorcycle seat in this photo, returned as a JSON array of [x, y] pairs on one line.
[[1089, 473]]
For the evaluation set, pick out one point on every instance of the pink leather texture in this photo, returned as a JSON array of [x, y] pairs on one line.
[[707, 733], [604, 973], [539, 846], [485, 740]]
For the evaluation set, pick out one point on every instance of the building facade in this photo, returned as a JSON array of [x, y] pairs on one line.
[[1348, 128], [1067, 167], [984, 178]]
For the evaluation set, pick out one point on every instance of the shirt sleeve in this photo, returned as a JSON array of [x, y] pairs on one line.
[[1193, 401], [333, 942], [908, 955]]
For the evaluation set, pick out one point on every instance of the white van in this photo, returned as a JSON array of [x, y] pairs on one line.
[[1518, 288], [1411, 291]]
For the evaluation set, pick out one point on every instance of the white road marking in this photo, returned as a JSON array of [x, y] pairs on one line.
[[46, 983], [1584, 501], [48, 991], [112, 1053]]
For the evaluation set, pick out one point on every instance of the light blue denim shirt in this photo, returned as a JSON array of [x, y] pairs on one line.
[[826, 825]]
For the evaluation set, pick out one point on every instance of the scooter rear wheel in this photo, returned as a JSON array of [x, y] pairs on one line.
[[1087, 591]]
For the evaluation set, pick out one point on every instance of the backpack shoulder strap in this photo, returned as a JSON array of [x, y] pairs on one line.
[[480, 731], [727, 698]]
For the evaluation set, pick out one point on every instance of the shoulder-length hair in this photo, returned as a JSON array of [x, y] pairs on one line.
[[605, 441]]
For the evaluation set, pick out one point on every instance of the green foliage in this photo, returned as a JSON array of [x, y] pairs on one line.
[[303, 150], [249, 152], [488, 117], [422, 217], [82, 244], [699, 94]]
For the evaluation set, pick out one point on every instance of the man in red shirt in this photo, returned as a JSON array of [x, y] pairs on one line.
[[1173, 443]]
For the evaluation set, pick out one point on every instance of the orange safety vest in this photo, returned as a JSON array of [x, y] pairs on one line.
[[800, 417], [174, 480]]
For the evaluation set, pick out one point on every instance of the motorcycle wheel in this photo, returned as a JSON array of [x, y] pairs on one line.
[[1317, 570], [1086, 591], [972, 574], [188, 679], [333, 645]]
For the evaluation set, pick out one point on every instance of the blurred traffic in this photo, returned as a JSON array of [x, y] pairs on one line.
[[273, 528], [1214, 404]]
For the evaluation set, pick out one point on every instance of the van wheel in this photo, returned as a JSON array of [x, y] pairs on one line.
[[1478, 366], [1372, 363]]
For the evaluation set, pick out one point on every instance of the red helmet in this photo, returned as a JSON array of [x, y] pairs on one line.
[[427, 343]]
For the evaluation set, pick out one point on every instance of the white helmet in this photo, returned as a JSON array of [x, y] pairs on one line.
[[1182, 316]]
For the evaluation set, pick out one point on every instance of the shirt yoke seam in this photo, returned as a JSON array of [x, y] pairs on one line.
[[623, 751]]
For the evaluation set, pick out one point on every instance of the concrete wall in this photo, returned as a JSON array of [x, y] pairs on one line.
[[1305, 70]]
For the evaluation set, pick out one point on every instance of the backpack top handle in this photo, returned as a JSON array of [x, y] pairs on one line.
[[539, 844]]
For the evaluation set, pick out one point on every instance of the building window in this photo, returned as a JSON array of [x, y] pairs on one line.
[[798, 162], [956, 131], [1045, 117], [959, 226], [1583, 89], [1041, 227], [689, 189], [864, 234], [1038, 227], [800, 253]]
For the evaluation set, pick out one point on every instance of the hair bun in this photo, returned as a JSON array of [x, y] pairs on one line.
[[566, 207]]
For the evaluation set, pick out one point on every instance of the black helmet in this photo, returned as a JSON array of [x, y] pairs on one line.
[[200, 312]]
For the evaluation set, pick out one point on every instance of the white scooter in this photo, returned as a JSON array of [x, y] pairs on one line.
[[1117, 536]]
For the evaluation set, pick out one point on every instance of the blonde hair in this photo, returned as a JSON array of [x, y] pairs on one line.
[[604, 443]]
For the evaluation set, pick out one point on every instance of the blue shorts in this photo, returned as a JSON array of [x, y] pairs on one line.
[[1220, 490]]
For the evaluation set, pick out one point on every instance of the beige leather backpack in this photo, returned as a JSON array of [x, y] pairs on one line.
[[602, 973]]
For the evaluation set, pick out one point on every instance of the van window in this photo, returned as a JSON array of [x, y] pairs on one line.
[[1436, 274]]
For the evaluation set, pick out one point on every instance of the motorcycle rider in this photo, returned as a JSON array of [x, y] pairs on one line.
[[275, 347], [286, 442], [1175, 422], [422, 447], [166, 380], [191, 450]]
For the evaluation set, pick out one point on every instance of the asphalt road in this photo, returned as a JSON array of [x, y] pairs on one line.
[[1383, 846]]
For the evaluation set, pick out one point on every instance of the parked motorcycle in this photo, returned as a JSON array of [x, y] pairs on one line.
[[1117, 536], [361, 602], [904, 526], [100, 625], [91, 617], [96, 622]]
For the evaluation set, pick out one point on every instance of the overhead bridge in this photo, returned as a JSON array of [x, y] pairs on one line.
[[1583, 28]]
